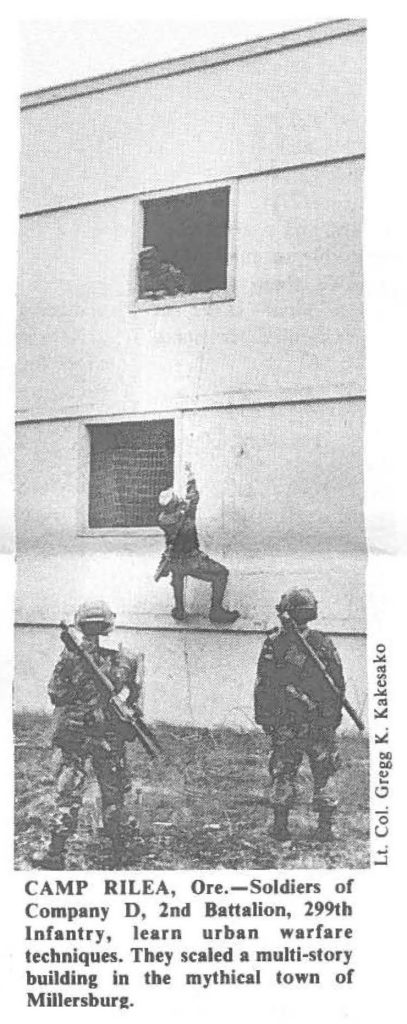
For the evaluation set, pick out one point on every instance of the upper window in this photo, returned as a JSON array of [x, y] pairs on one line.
[[184, 247], [130, 463]]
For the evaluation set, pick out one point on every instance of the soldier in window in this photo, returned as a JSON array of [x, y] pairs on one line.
[[157, 278]]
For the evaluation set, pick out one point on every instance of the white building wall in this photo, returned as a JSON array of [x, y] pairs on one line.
[[292, 106], [293, 331]]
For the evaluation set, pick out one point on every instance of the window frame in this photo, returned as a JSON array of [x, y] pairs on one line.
[[227, 294], [84, 447]]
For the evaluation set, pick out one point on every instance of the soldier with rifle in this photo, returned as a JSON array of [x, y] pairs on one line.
[[299, 696], [95, 689]]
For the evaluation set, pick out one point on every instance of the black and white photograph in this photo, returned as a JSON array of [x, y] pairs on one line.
[[190, 648]]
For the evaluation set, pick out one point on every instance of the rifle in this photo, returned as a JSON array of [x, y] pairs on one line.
[[163, 566], [130, 721], [285, 618]]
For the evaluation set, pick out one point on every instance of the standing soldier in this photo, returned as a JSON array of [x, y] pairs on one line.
[[82, 729], [299, 710], [183, 557]]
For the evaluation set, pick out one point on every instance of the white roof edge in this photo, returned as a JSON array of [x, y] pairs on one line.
[[193, 62]]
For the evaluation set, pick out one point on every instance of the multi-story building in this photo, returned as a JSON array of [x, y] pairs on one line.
[[240, 349]]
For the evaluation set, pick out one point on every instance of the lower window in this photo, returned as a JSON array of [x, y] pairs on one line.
[[130, 463]]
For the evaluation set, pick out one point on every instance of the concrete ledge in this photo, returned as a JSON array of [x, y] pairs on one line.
[[193, 624], [209, 58], [354, 392]]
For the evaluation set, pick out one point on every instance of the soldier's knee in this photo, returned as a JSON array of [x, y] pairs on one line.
[[69, 781], [324, 801], [282, 791], [277, 766], [324, 766], [66, 819]]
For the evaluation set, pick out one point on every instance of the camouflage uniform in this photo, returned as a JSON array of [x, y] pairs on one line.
[[183, 556], [82, 731], [300, 712], [157, 278]]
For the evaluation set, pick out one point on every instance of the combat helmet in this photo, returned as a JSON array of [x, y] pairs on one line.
[[301, 604], [168, 497], [94, 617]]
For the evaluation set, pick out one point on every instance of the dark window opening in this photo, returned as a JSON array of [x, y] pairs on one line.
[[185, 244], [130, 463]]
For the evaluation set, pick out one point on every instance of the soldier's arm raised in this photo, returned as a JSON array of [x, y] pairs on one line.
[[192, 493]]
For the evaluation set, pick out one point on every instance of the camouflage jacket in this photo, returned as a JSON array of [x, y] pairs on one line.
[[158, 278], [75, 696], [290, 686]]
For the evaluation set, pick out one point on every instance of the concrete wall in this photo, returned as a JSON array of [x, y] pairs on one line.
[[191, 679], [294, 330], [155, 134], [281, 498]]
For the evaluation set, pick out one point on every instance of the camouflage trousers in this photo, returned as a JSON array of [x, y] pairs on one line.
[[290, 742], [108, 762]]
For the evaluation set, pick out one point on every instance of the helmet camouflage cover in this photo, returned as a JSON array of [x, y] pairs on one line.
[[94, 617], [300, 603]]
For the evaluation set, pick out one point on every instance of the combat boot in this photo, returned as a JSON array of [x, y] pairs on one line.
[[280, 831], [324, 833], [222, 616], [178, 613]]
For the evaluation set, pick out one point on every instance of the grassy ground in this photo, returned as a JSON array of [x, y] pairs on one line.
[[204, 804]]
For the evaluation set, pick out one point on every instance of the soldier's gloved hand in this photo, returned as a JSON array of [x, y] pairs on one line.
[[302, 698], [123, 694]]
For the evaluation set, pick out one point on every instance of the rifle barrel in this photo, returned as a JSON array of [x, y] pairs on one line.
[[142, 731], [313, 654], [353, 715], [145, 741], [147, 730]]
